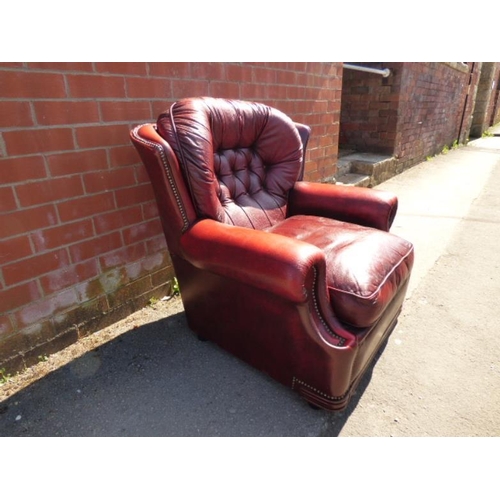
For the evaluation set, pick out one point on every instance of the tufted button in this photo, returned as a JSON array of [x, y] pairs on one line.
[[244, 162]]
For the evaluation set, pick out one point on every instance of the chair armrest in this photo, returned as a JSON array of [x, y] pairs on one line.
[[267, 261], [364, 206]]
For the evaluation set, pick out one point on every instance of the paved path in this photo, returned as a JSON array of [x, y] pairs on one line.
[[439, 374]]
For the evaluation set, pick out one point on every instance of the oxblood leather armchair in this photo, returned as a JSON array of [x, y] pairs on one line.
[[301, 280]]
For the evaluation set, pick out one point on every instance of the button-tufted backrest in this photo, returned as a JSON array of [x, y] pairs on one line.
[[240, 159]]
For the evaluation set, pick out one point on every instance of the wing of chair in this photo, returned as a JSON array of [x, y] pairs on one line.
[[301, 280]]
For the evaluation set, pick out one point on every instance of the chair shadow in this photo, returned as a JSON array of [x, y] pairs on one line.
[[160, 380]]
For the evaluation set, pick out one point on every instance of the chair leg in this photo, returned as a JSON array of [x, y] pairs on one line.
[[313, 406]]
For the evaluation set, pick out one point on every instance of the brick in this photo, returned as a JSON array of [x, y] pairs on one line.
[[120, 68], [7, 200], [21, 169], [6, 328], [59, 236], [38, 311], [129, 292], [254, 92], [85, 206], [122, 156], [15, 114], [14, 248], [31, 141], [96, 246], [293, 92], [122, 256], [156, 244], [11, 65], [16, 84], [149, 87], [102, 136], [141, 232], [17, 296], [188, 88], [238, 73], [78, 161], [37, 193], [109, 180], [133, 195], [66, 112], [286, 77], [68, 66], [96, 86], [163, 276], [82, 316], [208, 71], [35, 266], [141, 174], [264, 75], [150, 210], [130, 111], [228, 90], [171, 69], [72, 275], [118, 219], [23, 221]]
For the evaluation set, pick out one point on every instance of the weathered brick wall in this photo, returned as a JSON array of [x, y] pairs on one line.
[[493, 113], [485, 100], [412, 114], [369, 109], [432, 109], [80, 240]]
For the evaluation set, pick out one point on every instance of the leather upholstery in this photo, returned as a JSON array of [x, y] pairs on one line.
[[240, 161], [301, 280], [365, 267]]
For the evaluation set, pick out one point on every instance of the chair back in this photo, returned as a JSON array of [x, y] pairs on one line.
[[239, 159]]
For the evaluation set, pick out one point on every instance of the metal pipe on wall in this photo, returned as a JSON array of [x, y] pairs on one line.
[[384, 72]]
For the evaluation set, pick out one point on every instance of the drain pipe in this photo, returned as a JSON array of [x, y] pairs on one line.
[[384, 72]]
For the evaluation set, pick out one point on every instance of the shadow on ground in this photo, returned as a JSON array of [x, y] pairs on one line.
[[160, 380]]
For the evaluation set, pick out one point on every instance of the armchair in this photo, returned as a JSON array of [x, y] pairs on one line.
[[301, 280]]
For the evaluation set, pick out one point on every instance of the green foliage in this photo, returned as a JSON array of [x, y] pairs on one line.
[[175, 287], [4, 377], [445, 150], [487, 133], [152, 301]]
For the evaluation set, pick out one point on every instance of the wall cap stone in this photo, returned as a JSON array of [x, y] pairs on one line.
[[459, 66]]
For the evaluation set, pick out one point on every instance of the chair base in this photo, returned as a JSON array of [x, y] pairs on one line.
[[278, 338]]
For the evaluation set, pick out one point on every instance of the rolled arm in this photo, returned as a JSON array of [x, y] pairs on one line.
[[364, 206], [267, 261]]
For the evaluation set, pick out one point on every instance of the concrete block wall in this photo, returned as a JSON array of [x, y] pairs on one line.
[[81, 244]]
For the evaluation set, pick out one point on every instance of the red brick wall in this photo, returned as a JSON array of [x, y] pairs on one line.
[[432, 104], [494, 107], [412, 114], [80, 239], [369, 111]]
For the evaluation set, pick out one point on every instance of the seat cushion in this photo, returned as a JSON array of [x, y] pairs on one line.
[[365, 267]]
